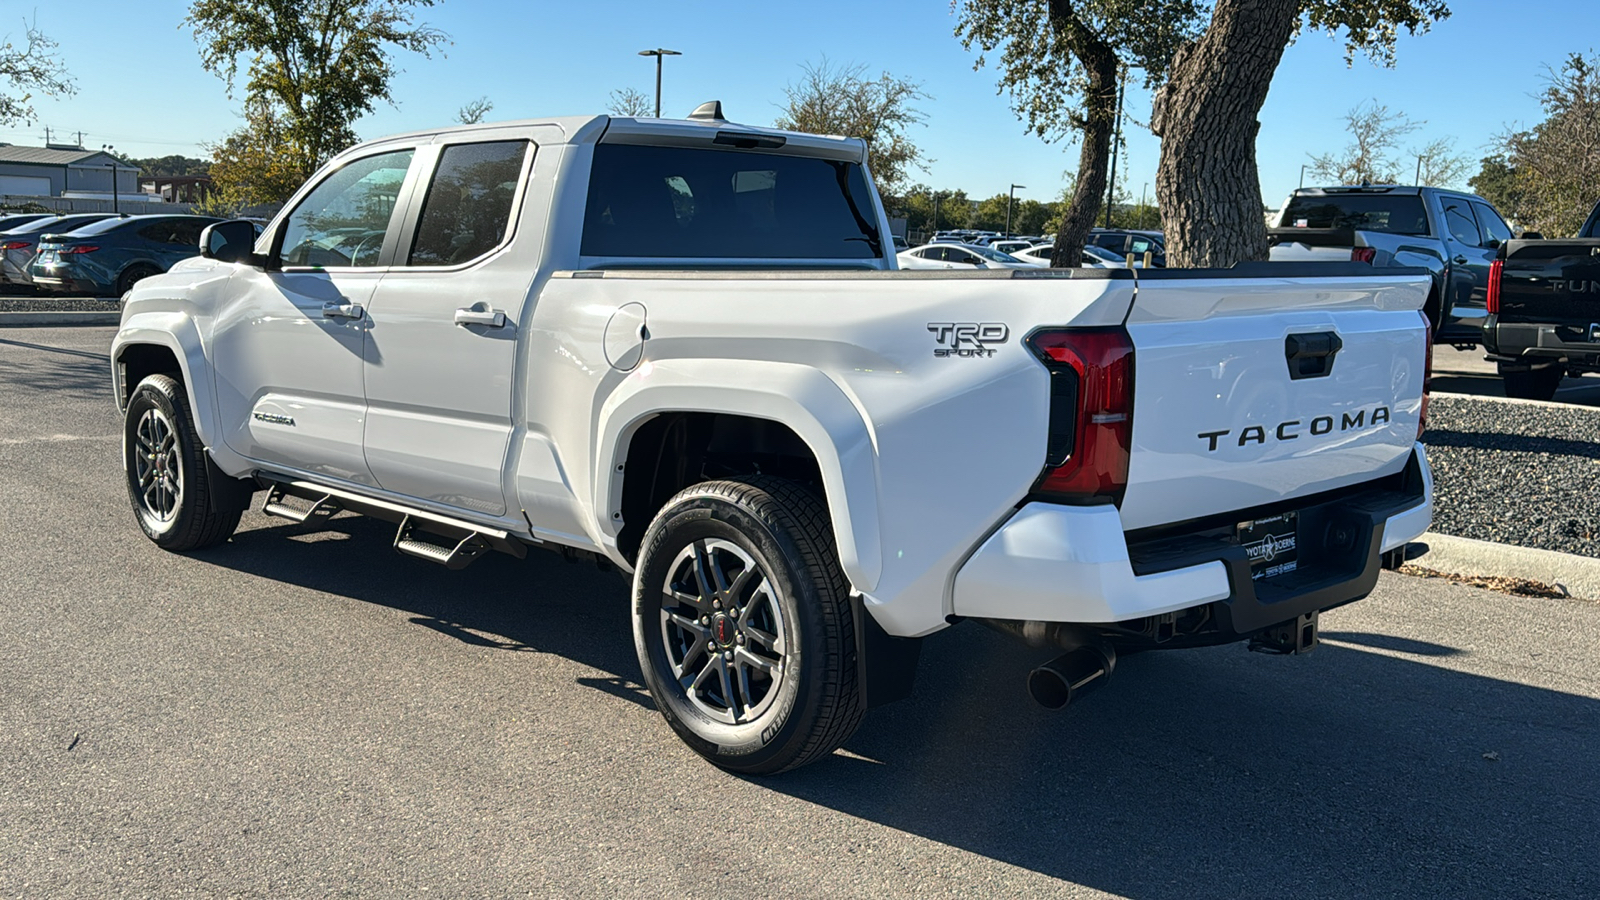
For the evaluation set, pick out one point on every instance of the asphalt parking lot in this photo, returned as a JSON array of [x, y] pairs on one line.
[[308, 713], [1466, 372]]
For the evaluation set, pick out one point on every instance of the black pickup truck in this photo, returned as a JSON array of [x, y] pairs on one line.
[[1544, 311]]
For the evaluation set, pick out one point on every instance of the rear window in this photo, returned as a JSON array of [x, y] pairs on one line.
[[1395, 214], [674, 202]]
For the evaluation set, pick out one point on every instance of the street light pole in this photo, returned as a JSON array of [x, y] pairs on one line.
[[658, 53], [1302, 175], [1011, 198], [1418, 182], [935, 229], [1142, 192]]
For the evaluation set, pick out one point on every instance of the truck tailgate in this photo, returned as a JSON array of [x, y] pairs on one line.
[[1252, 391], [1552, 282]]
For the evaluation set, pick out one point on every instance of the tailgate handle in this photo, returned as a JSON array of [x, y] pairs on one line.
[[1311, 355]]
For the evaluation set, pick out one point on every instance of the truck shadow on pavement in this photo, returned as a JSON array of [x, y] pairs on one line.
[[1346, 773]]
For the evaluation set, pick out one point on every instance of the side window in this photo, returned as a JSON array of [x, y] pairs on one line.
[[1462, 226], [467, 210], [962, 257], [159, 232], [1494, 227], [187, 232], [343, 220]]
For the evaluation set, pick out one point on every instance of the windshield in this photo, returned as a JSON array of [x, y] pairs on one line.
[[688, 203], [1101, 254], [993, 255], [1391, 213]]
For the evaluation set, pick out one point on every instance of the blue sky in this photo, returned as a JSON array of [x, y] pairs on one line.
[[141, 88]]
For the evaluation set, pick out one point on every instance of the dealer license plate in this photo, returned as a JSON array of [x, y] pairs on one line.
[[1272, 544]]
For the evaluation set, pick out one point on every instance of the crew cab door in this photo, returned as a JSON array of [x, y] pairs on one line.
[[441, 344], [287, 347], [1465, 240]]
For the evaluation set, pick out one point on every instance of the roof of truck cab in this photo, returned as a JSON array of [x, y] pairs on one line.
[[590, 129]]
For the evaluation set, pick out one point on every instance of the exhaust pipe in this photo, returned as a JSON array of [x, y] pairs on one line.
[[1072, 675]]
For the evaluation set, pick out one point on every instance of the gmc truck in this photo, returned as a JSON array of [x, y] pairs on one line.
[[681, 348], [1544, 311], [1454, 236]]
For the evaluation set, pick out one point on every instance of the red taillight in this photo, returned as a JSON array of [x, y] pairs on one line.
[[79, 249], [1427, 372], [1091, 412], [1368, 255], [16, 245], [1492, 300]]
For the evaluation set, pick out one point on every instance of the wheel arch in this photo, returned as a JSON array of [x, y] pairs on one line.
[[801, 407], [168, 342]]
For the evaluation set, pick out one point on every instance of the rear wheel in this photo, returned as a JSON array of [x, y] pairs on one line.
[[743, 625], [1532, 384], [133, 276], [169, 483]]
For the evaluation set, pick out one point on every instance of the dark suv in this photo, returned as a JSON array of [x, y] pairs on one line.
[[108, 257]]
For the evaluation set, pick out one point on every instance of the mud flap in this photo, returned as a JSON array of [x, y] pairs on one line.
[[886, 666]]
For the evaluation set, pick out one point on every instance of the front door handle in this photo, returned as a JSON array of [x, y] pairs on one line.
[[342, 310], [480, 314], [1461, 260]]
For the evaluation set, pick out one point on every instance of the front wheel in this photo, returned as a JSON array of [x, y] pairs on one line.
[[1533, 384], [743, 625], [169, 483]]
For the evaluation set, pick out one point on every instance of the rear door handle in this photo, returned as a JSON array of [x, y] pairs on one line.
[[342, 310], [480, 314]]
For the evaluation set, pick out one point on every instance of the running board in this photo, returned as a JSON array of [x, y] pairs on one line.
[[462, 542]]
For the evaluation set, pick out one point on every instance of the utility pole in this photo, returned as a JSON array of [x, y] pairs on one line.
[[1116, 145], [659, 53], [1142, 192], [1011, 198], [116, 204]]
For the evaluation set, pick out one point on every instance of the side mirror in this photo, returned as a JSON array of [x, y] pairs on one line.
[[232, 241], [1532, 236], [1492, 244]]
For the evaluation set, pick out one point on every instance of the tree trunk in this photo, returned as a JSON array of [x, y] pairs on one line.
[[1207, 185], [1100, 123]]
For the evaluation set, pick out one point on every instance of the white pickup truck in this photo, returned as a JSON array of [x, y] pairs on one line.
[[681, 348]]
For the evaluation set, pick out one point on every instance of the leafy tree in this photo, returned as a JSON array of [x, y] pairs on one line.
[[1438, 165], [474, 112], [842, 100], [314, 67], [629, 102], [259, 163], [29, 67], [1063, 77], [1207, 184], [917, 205], [171, 166], [1553, 169], [989, 214], [1497, 182]]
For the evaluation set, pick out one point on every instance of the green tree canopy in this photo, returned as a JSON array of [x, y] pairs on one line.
[[315, 66], [1548, 177]]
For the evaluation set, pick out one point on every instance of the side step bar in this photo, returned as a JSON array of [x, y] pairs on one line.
[[460, 544]]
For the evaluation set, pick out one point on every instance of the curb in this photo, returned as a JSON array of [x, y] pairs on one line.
[[58, 318], [1579, 575]]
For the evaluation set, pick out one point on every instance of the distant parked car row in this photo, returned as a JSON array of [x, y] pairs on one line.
[[1007, 254], [101, 254]]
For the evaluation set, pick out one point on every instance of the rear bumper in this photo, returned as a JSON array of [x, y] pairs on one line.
[[1533, 343], [1053, 563]]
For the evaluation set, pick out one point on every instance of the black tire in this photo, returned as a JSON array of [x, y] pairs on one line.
[[1533, 384], [171, 489], [133, 275], [780, 533]]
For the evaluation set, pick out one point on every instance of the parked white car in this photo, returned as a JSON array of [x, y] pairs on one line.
[[1039, 254], [959, 256], [677, 348]]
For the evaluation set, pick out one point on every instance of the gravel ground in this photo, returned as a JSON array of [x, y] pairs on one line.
[[1516, 473], [58, 304]]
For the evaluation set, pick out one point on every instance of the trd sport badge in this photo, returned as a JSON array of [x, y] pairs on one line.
[[970, 339]]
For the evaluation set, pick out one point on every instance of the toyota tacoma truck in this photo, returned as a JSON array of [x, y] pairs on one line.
[[681, 348], [1544, 311], [1453, 235]]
